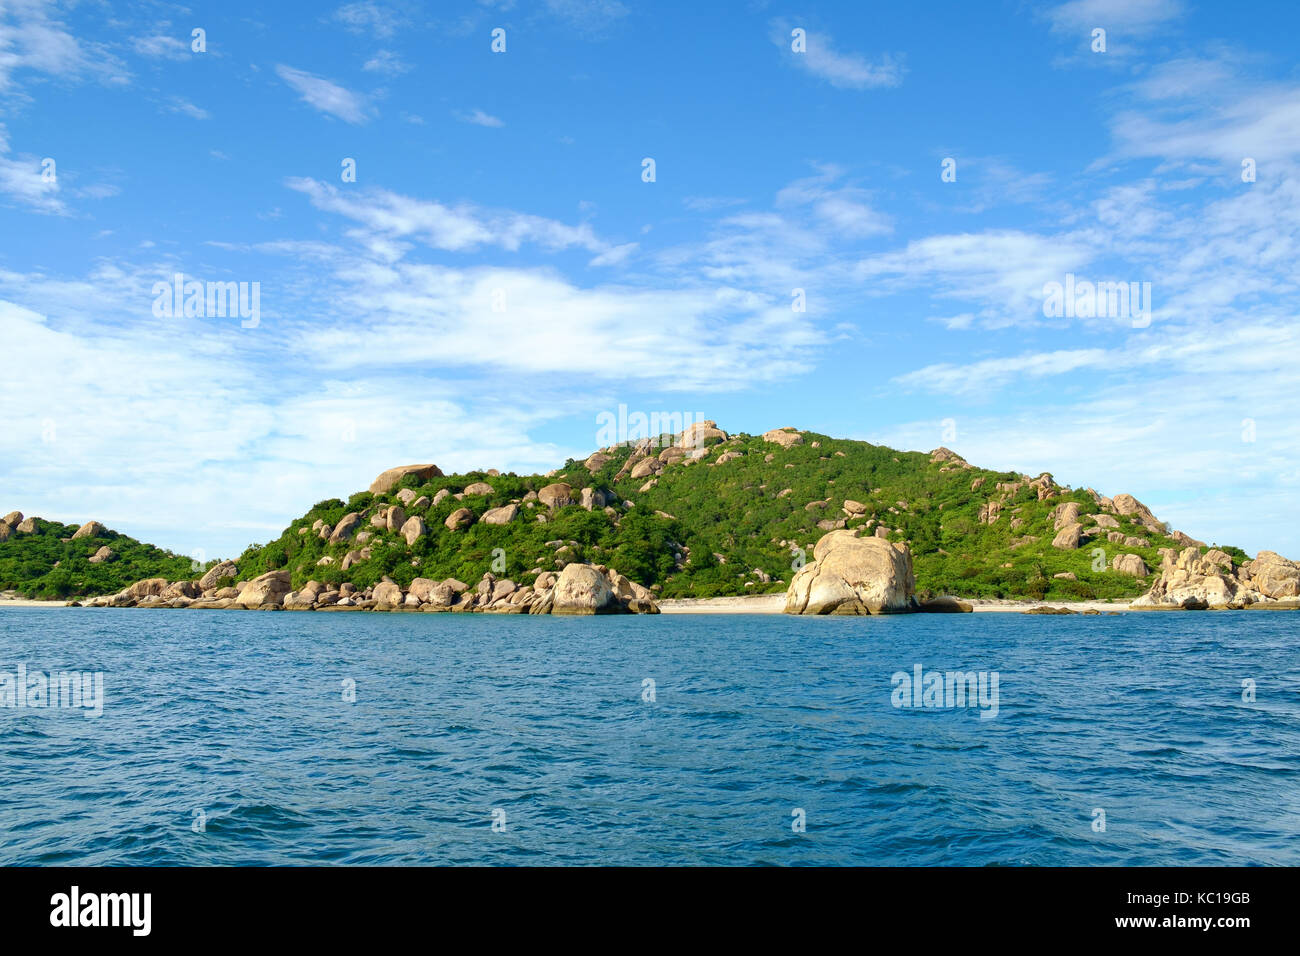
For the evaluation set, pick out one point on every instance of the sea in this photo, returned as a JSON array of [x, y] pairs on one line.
[[282, 738]]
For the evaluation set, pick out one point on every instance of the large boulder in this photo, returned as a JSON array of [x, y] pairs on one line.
[[556, 495], [6, 530], [502, 515], [27, 525], [100, 556], [223, 569], [1069, 537], [582, 589], [149, 587], [388, 595], [852, 575], [460, 518], [413, 530], [478, 488], [1065, 515], [388, 479], [785, 436], [700, 434], [1190, 580], [1131, 564], [1273, 575], [180, 589], [1127, 505], [91, 529], [12, 518], [346, 527], [394, 518], [265, 590]]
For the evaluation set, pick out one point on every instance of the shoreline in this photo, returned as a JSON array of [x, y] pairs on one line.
[[775, 604]]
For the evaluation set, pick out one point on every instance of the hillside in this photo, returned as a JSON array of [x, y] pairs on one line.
[[705, 514], [700, 514], [48, 559]]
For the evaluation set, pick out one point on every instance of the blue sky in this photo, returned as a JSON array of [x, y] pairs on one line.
[[500, 274]]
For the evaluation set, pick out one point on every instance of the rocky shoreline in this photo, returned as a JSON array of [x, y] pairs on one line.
[[849, 575], [577, 589]]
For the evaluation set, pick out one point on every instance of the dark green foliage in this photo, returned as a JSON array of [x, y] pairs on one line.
[[703, 530], [27, 563]]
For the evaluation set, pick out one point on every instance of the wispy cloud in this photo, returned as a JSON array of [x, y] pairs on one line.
[[178, 105], [370, 18], [460, 228], [32, 40], [387, 62], [850, 71], [24, 180], [325, 96], [1137, 17], [479, 118], [162, 46]]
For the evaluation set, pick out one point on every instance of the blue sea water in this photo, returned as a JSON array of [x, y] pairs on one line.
[[541, 723]]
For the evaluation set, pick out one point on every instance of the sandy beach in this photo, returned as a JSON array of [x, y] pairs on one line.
[[774, 603], [24, 602]]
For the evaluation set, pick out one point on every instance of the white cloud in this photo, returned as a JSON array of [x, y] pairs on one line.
[[162, 46], [590, 16], [178, 105], [1138, 17], [479, 118], [460, 228], [31, 40], [327, 97], [23, 179], [368, 17], [842, 70], [386, 61], [1003, 271], [842, 209]]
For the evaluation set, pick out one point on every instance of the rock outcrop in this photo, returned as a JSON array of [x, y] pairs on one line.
[[91, 529], [1272, 576], [265, 590], [388, 479], [1194, 581], [222, 569], [460, 518], [503, 515], [786, 436], [700, 434], [853, 575], [556, 495]]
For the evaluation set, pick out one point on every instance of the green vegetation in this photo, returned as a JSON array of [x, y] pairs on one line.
[[703, 529], [46, 564]]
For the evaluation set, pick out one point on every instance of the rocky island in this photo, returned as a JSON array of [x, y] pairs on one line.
[[836, 526]]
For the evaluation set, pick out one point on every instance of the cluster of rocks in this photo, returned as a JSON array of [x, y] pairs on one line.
[[411, 526], [649, 458], [855, 575], [1190, 580], [577, 589], [14, 523]]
